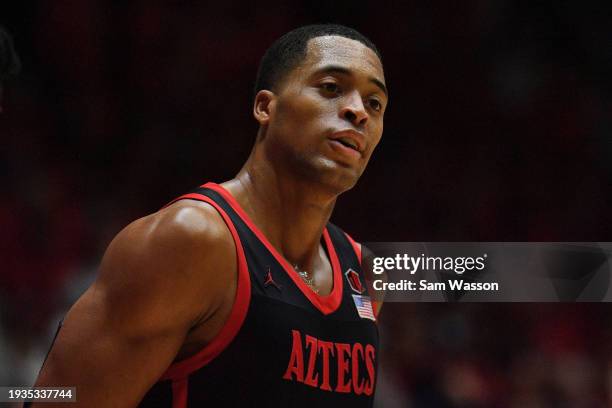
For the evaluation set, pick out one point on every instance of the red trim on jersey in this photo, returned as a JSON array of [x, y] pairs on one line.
[[376, 305], [356, 247], [325, 303], [183, 368], [179, 393], [194, 196]]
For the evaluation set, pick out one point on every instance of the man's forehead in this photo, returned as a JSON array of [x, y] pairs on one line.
[[342, 51]]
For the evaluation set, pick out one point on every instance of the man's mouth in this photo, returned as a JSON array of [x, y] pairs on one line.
[[348, 143], [346, 150], [350, 138]]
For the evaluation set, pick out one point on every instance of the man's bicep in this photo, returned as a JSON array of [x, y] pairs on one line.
[[126, 329], [108, 363]]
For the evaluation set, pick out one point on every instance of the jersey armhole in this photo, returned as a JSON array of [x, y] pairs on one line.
[[377, 305], [181, 369], [356, 247]]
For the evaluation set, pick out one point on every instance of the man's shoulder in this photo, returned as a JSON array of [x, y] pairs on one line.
[[188, 234], [185, 222], [188, 220], [172, 256], [356, 245]]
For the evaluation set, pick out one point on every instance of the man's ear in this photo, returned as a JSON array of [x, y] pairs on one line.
[[263, 107]]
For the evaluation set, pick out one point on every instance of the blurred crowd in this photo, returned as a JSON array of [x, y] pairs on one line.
[[496, 355], [498, 129]]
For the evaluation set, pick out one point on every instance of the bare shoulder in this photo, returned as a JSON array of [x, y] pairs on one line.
[[174, 255], [183, 224]]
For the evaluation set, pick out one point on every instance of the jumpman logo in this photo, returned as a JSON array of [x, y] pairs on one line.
[[269, 281]]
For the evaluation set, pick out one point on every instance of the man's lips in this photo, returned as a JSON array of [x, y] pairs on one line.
[[349, 138]]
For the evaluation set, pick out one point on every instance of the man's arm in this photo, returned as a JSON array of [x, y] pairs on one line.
[[160, 277]]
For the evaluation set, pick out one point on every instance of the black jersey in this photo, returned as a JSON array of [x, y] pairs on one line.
[[283, 344]]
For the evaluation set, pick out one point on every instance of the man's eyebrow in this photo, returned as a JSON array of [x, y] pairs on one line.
[[338, 69]]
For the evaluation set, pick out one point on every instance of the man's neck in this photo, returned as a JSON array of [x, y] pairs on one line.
[[291, 213]]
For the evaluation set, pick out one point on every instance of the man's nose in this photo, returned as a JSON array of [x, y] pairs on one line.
[[354, 110]]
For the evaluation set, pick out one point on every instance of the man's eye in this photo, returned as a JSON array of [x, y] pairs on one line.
[[376, 105], [331, 87]]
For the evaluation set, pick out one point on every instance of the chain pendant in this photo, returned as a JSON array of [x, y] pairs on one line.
[[308, 280]]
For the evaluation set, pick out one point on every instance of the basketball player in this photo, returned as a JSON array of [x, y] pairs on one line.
[[9, 61], [241, 293]]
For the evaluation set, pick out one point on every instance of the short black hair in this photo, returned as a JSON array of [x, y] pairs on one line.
[[10, 64], [290, 49]]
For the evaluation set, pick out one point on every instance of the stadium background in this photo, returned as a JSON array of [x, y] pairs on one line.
[[499, 129]]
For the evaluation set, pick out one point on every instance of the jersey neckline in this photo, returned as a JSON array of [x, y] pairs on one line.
[[326, 304]]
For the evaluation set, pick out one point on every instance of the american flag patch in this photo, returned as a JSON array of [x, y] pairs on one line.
[[364, 307]]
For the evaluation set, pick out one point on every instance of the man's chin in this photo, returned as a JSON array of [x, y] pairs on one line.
[[338, 177], [330, 174]]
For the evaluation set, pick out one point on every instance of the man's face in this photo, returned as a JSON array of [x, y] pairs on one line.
[[327, 117]]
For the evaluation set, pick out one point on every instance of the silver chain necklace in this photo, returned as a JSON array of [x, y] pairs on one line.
[[308, 280]]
